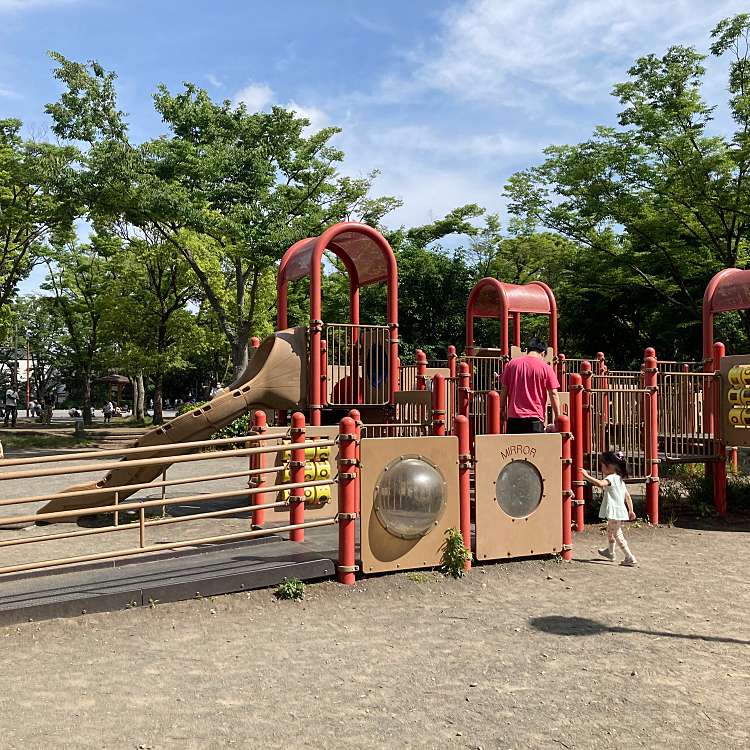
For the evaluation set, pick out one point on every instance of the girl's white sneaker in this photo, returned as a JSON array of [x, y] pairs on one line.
[[604, 552], [629, 562]]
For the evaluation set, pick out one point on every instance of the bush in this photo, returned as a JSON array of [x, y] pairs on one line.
[[455, 554], [292, 589], [238, 428]]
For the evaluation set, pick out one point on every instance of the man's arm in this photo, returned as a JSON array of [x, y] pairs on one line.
[[503, 398], [554, 400]]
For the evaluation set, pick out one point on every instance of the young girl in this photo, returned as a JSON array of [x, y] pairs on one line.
[[617, 505]]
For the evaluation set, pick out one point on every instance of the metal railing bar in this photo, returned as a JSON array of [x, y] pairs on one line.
[[133, 451], [165, 546], [131, 526], [164, 460], [144, 485], [120, 507]]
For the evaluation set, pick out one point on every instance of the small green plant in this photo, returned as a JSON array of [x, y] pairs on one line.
[[455, 555], [291, 588]]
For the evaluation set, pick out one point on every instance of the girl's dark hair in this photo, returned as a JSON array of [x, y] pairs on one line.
[[616, 459]]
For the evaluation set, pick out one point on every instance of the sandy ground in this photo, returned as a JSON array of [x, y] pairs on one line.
[[534, 654]]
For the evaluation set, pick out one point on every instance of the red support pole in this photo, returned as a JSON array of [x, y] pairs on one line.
[[464, 389], [650, 372], [421, 370], [517, 329], [259, 427], [734, 460], [562, 373], [357, 417], [438, 405], [589, 460], [562, 425], [493, 413], [461, 430], [324, 372], [720, 467], [452, 357], [297, 474], [347, 515], [576, 422]]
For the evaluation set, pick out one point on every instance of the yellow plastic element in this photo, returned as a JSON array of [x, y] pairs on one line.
[[314, 495], [312, 454], [313, 471]]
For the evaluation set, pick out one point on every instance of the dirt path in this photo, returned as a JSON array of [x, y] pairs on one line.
[[520, 655]]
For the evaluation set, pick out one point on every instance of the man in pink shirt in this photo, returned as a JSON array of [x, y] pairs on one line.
[[526, 383]]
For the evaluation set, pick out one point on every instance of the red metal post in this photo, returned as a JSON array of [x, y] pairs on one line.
[[464, 389], [461, 430], [324, 372], [347, 515], [720, 467], [421, 370], [357, 417], [297, 474], [452, 357], [562, 424], [589, 460], [734, 460], [493, 413], [258, 462], [438, 405], [650, 372], [562, 373], [517, 329], [576, 422]]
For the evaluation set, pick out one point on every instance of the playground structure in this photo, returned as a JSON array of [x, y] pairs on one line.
[[420, 449]]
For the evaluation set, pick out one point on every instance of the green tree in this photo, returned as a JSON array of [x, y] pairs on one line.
[[81, 278], [247, 184], [661, 200], [37, 202]]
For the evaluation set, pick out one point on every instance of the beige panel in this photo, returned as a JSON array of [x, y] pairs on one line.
[[498, 535], [735, 400], [516, 352], [382, 551]]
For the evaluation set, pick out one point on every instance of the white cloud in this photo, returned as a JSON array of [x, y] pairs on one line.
[[519, 50], [9, 93], [256, 96], [317, 117], [214, 80]]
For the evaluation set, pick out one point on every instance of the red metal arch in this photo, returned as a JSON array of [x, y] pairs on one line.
[[368, 259], [491, 298], [728, 290]]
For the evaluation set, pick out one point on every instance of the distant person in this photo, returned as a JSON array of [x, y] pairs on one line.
[[74, 413], [527, 381], [11, 405], [617, 505], [109, 410]]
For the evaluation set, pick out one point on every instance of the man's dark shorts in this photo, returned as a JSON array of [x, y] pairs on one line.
[[518, 426]]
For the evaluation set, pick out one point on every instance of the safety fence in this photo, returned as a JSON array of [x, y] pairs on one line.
[[683, 424], [114, 513], [357, 364]]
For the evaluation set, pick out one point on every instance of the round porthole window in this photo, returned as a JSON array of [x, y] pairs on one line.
[[519, 488], [410, 496]]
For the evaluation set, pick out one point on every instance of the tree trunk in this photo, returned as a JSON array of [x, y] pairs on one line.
[[86, 383], [140, 414], [239, 354], [158, 385]]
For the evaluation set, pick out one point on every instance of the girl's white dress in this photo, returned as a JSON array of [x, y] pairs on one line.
[[613, 506]]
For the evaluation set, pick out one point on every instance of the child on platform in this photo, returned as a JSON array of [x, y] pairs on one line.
[[617, 505]]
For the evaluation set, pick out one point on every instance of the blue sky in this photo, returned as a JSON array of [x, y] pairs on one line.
[[445, 98]]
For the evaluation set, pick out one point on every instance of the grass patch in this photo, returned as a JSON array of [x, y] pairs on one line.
[[418, 577], [291, 589], [42, 442]]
